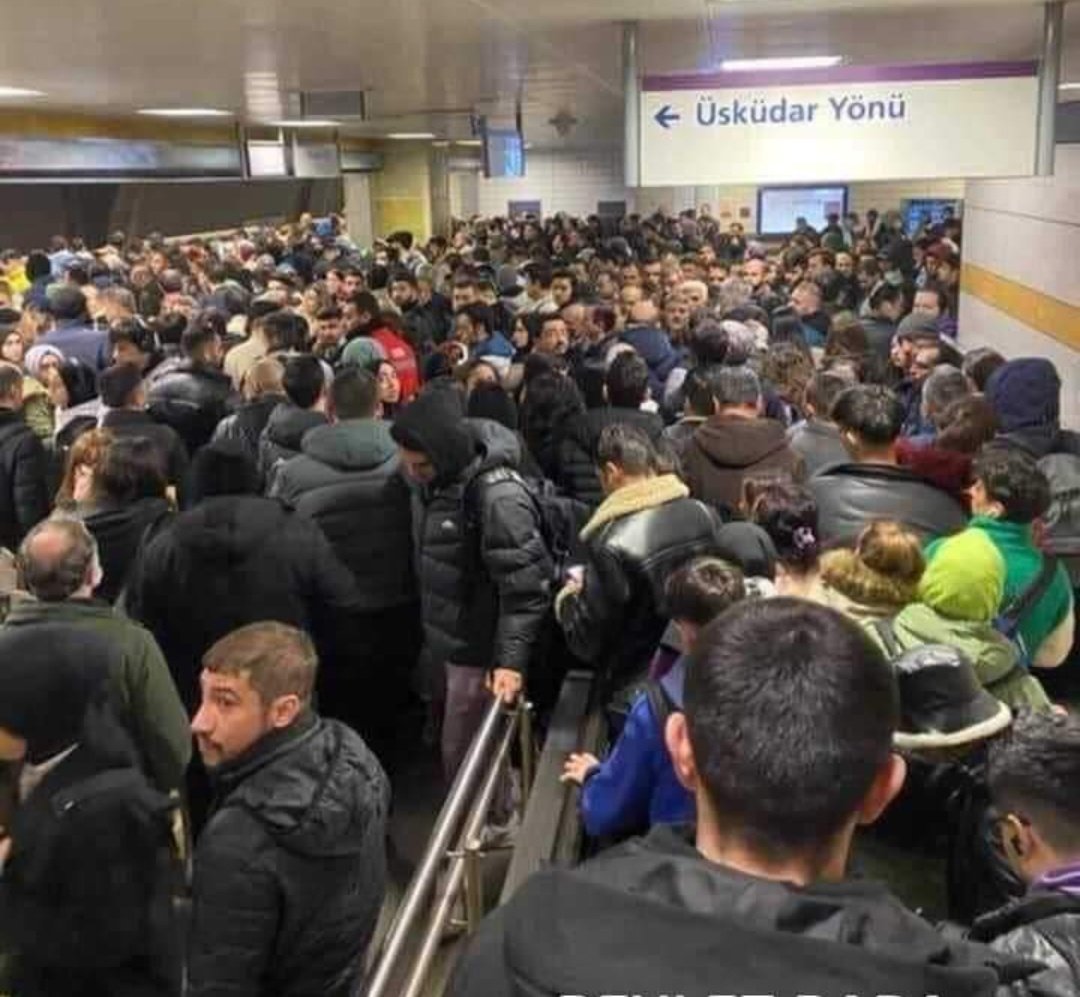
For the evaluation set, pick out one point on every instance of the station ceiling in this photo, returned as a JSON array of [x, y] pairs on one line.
[[426, 65]]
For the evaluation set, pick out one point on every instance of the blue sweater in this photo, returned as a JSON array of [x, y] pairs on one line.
[[636, 787]]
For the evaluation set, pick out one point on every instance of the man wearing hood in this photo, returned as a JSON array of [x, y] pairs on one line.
[[290, 872], [737, 442], [786, 743], [347, 480], [484, 569]]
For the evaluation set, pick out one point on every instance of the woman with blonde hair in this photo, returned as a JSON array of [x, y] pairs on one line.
[[876, 579]]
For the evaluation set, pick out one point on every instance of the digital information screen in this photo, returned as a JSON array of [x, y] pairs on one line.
[[780, 207]]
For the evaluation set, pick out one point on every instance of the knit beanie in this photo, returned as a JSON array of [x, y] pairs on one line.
[[362, 351], [36, 355], [1025, 394], [435, 425], [966, 578], [49, 675]]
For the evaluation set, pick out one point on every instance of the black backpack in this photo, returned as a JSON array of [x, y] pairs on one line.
[[89, 882]]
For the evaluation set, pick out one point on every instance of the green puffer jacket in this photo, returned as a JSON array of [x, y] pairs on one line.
[[995, 659]]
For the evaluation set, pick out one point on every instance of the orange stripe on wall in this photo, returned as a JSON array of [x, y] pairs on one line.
[[1049, 315]]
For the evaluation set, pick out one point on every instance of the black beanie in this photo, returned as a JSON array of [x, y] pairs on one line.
[[222, 468], [49, 676], [434, 425]]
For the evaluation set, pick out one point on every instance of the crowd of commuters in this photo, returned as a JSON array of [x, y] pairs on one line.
[[282, 494]]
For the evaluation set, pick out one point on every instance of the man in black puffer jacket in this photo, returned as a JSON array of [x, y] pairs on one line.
[[484, 569], [347, 480], [626, 386], [291, 868], [23, 499], [194, 395], [1033, 776], [304, 383]]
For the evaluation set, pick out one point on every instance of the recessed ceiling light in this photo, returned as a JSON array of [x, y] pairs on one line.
[[1069, 86], [305, 123], [185, 112], [20, 92], [405, 136], [794, 62]]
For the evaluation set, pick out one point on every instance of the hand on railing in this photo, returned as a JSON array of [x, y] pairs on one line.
[[505, 684]]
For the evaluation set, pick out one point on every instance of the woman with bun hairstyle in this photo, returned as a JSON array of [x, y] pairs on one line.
[[876, 579], [789, 515]]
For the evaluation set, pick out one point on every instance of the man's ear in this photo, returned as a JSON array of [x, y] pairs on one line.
[[677, 741], [883, 790], [284, 710]]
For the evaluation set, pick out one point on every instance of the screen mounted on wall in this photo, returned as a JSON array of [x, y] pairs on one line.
[[780, 208]]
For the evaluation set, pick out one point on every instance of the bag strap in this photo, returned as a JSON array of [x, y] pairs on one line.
[[887, 633], [659, 702], [1017, 611]]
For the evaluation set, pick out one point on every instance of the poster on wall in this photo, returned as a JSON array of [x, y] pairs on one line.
[[864, 122]]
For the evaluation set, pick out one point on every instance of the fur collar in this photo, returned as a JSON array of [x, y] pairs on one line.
[[635, 497]]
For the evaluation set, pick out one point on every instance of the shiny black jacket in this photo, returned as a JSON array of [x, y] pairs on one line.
[[347, 480], [127, 423], [484, 569], [281, 438], [245, 425], [192, 398], [23, 466], [575, 472], [654, 917], [850, 496], [617, 619], [290, 870]]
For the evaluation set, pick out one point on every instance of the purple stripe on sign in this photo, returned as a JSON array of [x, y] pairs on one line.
[[840, 74]]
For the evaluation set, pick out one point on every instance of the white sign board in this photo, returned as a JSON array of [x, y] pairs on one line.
[[850, 123]]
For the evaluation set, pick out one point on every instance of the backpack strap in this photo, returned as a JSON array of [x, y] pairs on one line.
[[887, 633], [1013, 615], [659, 702]]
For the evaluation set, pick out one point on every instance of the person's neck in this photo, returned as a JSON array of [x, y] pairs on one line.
[[802, 870], [886, 455], [743, 412]]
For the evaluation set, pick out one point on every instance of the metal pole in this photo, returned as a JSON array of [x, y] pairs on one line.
[[1049, 78], [449, 817], [631, 106]]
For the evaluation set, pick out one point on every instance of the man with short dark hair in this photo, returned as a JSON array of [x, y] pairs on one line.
[[59, 566], [554, 338], [785, 740], [124, 397], [737, 442], [194, 396], [304, 383], [816, 439], [346, 479], [872, 485], [287, 885], [538, 298], [23, 464], [425, 323], [133, 342]]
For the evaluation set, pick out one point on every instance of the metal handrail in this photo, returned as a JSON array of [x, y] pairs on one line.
[[387, 964]]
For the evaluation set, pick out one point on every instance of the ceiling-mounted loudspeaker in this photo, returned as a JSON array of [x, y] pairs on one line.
[[563, 123], [333, 104]]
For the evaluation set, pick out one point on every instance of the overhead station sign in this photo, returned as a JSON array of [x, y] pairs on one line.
[[850, 122]]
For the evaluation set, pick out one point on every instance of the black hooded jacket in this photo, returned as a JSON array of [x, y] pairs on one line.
[[120, 531], [484, 570], [281, 439], [290, 871], [192, 398], [347, 480], [653, 917], [245, 425], [235, 560], [23, 498]]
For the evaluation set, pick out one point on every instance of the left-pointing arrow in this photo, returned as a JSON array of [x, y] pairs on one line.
[[666, 116]]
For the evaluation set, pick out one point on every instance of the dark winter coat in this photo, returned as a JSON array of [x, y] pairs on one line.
[[654, 917], [290, 870], [125, 423], [728, 450], [850, 496], [245, 425], [638, 536], [192, 398], [120, 532], [347, 480], [280, 440], [236, 560], [1044, 927], [23, 469], [576, 471], [484, 570], [818, 444]]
